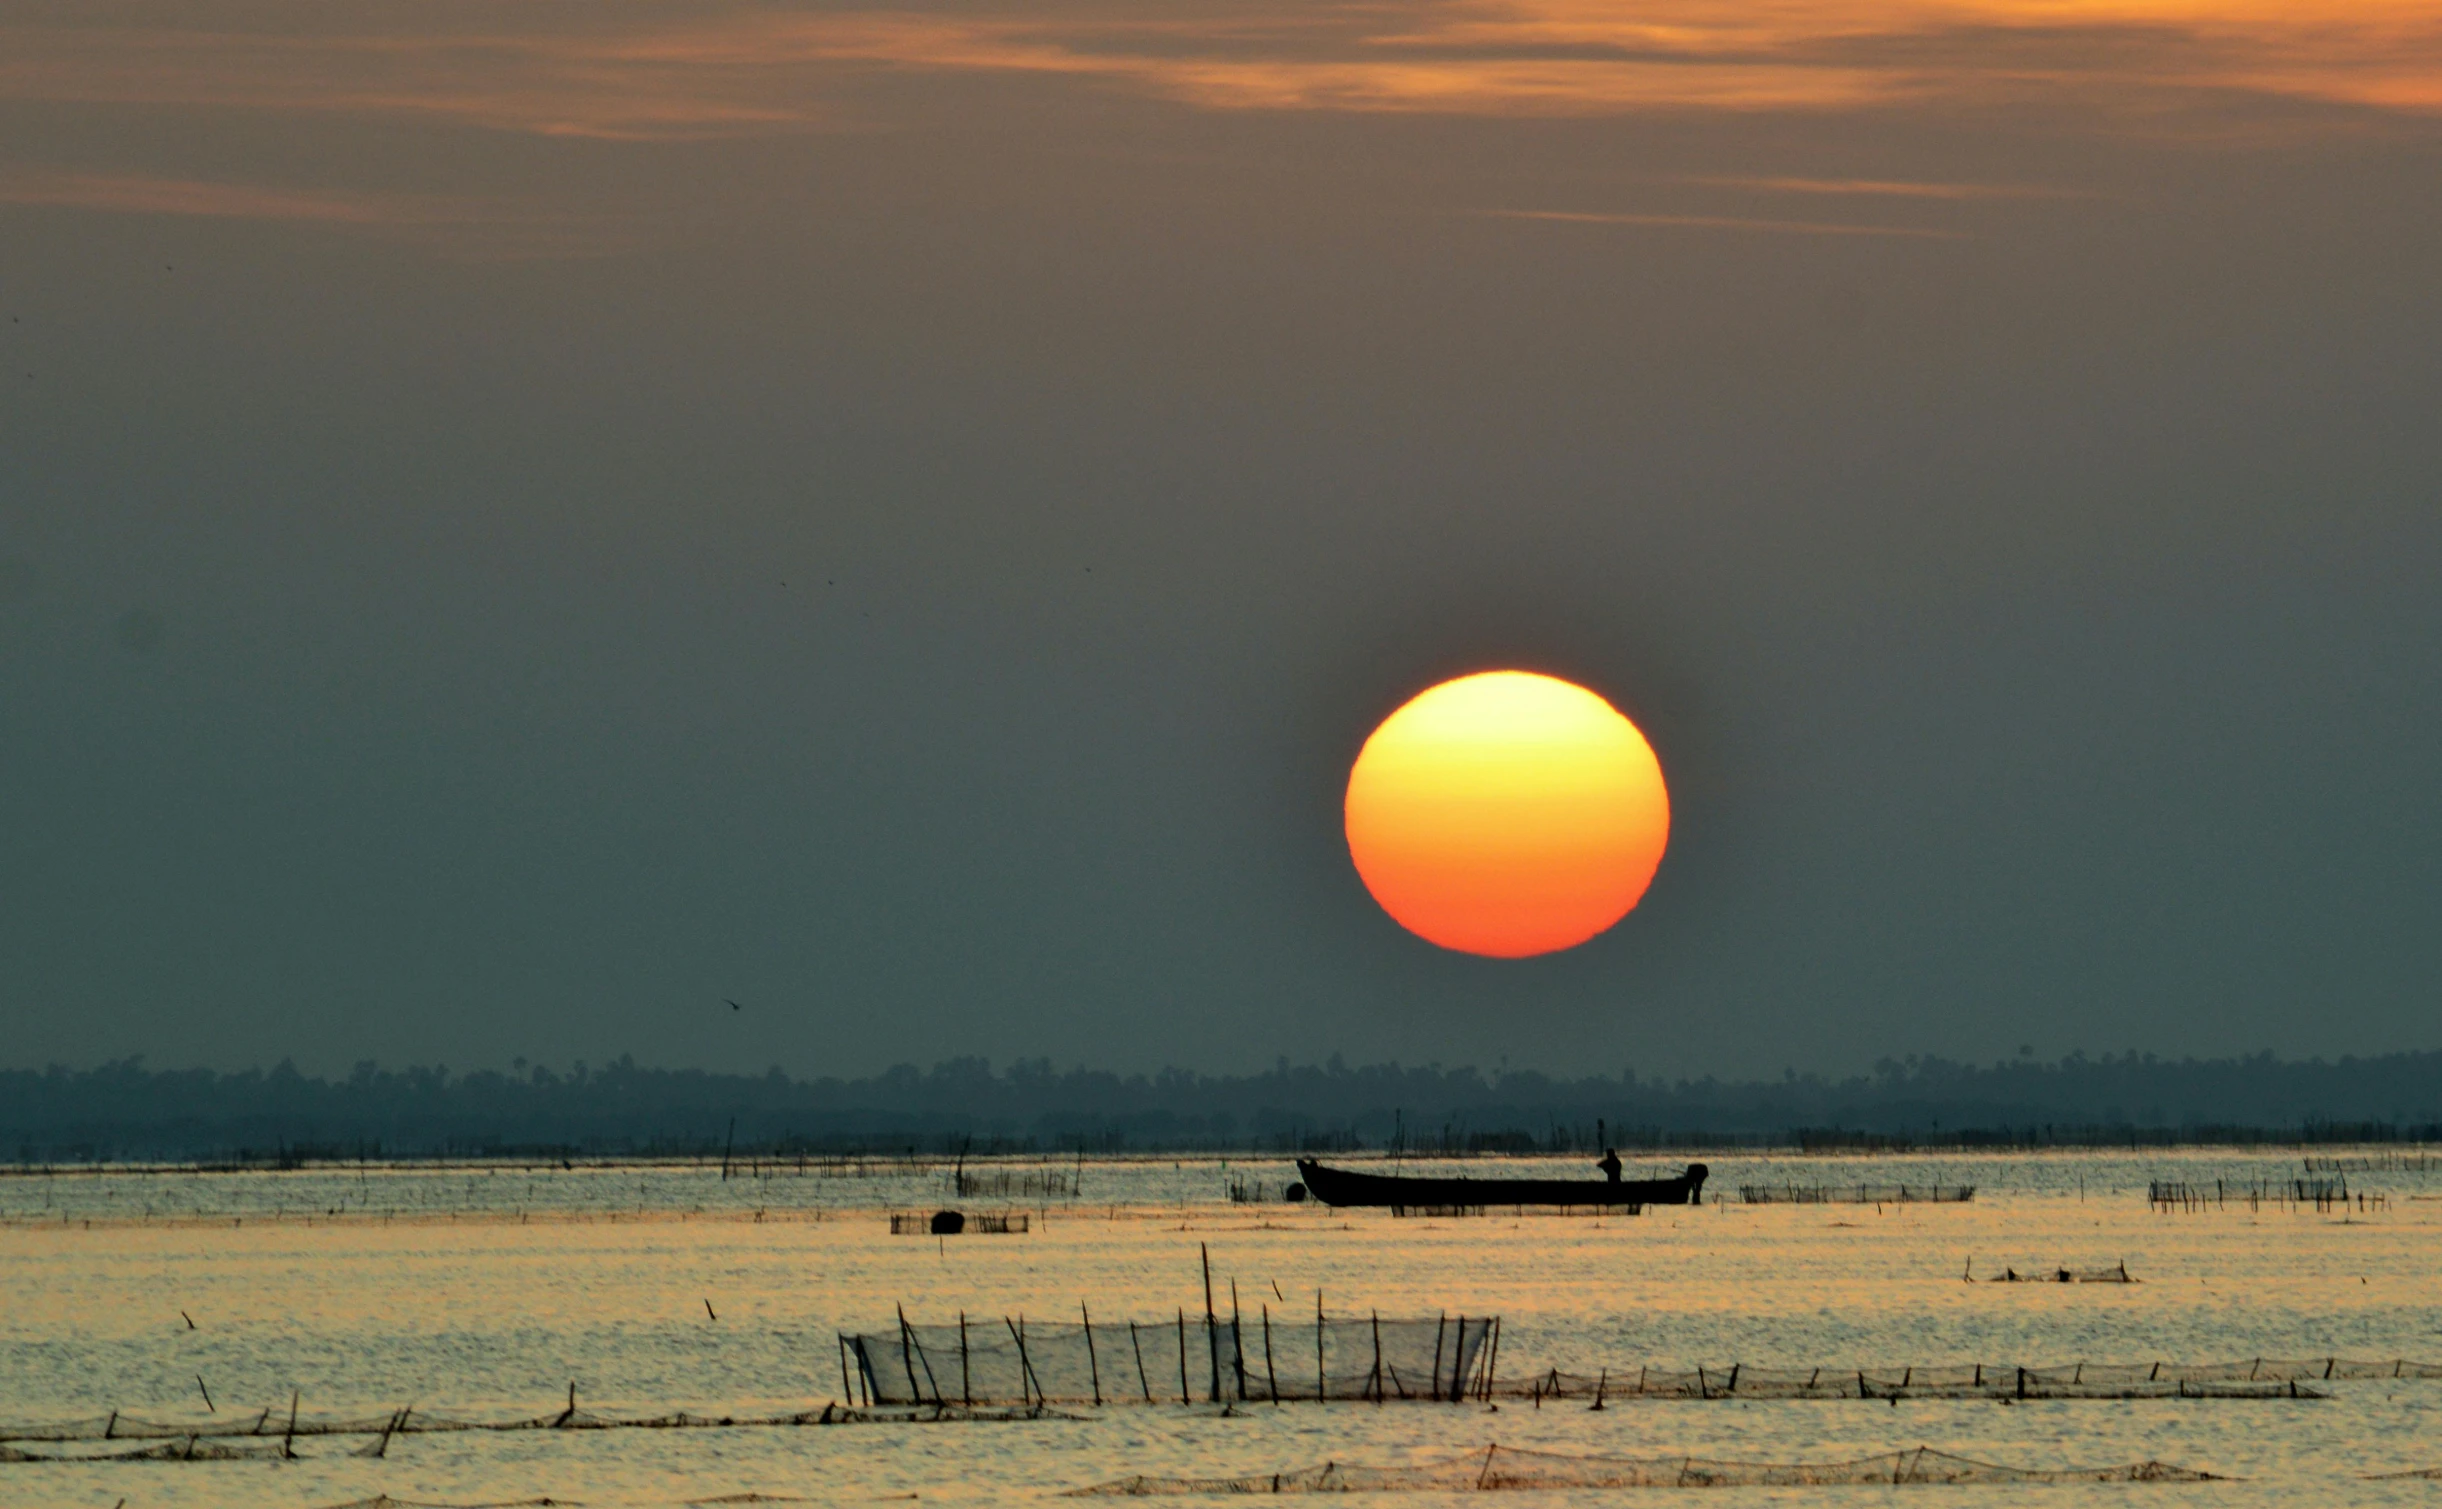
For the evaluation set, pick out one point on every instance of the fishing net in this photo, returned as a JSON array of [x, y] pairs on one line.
[[1181, 1360], [1497, 1468], [1185, 1361], [185, 1449], [2261, 1378], [385, 1501], [241, 1440], [1856, 1194]]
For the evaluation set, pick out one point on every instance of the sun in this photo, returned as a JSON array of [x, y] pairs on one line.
[[1507, 814]]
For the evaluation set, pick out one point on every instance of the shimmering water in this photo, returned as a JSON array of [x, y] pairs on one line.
[[650, 1289]]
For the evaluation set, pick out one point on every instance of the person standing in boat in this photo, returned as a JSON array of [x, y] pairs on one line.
[[1610, 1165]]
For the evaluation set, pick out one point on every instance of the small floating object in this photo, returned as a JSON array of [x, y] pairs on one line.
[[2117, 1273]]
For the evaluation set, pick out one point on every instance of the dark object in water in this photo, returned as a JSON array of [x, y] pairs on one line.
[[1336, 1186], [951, 1223], [2117, 1273], [1295, 1194]]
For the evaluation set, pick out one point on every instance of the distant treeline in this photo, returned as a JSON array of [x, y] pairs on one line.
[[126, 1111]]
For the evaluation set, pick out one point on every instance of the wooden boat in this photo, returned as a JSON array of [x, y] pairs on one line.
[[1339, 1186]]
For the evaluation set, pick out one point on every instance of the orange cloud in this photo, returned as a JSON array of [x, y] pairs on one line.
[[655, 72], [1729, 223], [1886, 188]]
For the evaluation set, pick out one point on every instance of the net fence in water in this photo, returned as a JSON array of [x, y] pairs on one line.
[[1418, 1360], [269, 1435], [1497, 1468], [2254, 1378], [1181, 1360], [1856, 1194], [1450, 1359]]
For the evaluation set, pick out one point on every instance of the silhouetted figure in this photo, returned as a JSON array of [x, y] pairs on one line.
[[1610, 1165]]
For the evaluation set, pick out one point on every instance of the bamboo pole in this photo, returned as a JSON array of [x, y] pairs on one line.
[[1212, 1327], [1237, 1337], [1091, 1360], [1138, 1348], [1458, 1362], [1271, 1379], [1026, 1378], [907, 1359]]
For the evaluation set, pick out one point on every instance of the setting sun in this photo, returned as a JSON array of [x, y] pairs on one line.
[[1507, 814]]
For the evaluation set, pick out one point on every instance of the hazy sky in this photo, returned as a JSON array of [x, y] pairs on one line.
[[519, 521]]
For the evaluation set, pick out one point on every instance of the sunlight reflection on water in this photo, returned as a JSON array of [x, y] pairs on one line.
[[493, 1292]]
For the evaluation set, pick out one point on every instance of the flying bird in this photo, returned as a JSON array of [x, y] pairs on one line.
[[734, 1006]]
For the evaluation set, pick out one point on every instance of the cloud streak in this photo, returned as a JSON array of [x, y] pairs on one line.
[[1728, 223], [1888, 188], [473, 227], [657, 71]]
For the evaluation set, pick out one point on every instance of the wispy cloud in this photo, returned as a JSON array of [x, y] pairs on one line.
[[1888, 188], [472, 227], [1729, 223], [664, 71]]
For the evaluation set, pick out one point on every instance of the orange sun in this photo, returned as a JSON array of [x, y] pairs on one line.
[[1507, 814]]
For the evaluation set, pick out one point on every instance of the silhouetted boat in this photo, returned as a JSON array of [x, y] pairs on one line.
[[1339, 1186]]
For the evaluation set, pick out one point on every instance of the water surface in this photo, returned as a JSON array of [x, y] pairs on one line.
[[648, 1289]]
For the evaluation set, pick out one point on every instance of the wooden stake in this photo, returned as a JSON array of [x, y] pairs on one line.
[[1026, 1377], [907, 1357], [1091, 1360], [1237, 1337], [1271, 1379], [1212, 1327]]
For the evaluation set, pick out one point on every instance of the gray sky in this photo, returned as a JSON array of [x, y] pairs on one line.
[[519, 525]]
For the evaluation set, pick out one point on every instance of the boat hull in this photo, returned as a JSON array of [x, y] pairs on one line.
[[1343, 1187]]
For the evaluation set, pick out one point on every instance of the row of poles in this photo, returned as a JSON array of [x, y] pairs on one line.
[[913, 1360]]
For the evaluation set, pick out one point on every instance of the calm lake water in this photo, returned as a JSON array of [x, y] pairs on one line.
[[490, 1292]]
